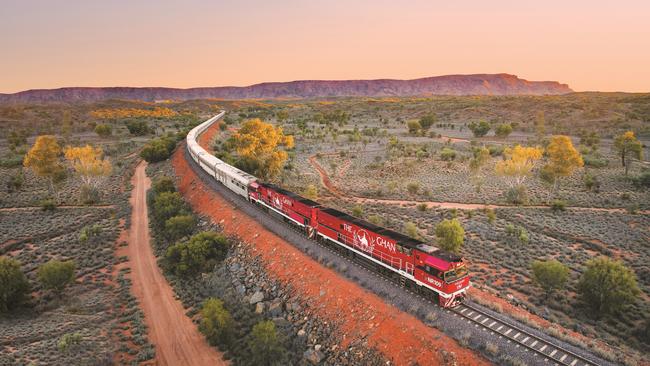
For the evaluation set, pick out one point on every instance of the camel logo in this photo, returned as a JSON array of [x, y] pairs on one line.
[[361, 239], [277, 202]]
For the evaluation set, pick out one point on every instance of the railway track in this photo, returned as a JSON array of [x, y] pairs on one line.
[[512, 333], [550, 351]]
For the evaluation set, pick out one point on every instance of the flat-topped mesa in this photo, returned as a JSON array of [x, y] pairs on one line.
[[478, 84]]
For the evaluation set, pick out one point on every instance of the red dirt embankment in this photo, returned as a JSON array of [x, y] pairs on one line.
[[176, 338], [400, 337], [207, 137]]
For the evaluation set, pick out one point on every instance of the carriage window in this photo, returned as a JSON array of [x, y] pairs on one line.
[[455, 274]]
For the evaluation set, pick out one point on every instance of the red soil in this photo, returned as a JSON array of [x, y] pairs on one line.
[[400, 337], [207, 137], [176, 338]]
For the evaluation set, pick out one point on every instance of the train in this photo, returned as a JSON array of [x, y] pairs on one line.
[[428, 270]]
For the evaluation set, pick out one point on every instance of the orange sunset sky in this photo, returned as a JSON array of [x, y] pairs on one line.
[[591, 45]]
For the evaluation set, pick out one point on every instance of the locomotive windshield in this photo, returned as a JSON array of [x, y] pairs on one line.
[[456, 274]]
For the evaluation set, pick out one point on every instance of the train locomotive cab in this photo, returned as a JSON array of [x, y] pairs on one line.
[[443, 272]]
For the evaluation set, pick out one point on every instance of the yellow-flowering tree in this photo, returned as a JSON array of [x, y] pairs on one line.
[[44, 159], [518, 163], [89, 163], [258, 145], [563, 158], [629, 147]]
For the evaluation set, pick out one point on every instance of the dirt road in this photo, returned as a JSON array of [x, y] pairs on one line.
[[176, 338]]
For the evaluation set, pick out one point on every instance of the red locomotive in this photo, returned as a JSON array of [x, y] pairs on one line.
[[425, 268]]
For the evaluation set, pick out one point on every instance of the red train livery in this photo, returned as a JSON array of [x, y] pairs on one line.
[[426, 268]]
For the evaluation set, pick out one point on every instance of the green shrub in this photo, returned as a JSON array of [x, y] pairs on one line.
[[413, 187], [450, 234], [376, 219], [89, 195], [158, 149], [12, 161], [447, 154], [496, 150], [163, 184], [88, 232], [414, 127], [503, 130], [56, 275], [15, 182], [68, 340], [13, 284], [594, 160], [491, 215], [517, 195], [642, 180], [216, 322], [607, 286], [411, 230], [357, 211], [479, 129], [550, 275], [48, 205], [266, 346], [138, 128], [591, 182], [311, 192], [558, 205], [427, 121], [179, 226], [198, 254], [422, 207], [103, 130], [167, 205]]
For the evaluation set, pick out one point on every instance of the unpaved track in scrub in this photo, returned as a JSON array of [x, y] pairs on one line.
[[327, 183], [176, 338]]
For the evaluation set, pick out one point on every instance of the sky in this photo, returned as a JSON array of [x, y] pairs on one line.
[[590, 45]]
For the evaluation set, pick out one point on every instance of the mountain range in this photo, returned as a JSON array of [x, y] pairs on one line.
[[476, 84]]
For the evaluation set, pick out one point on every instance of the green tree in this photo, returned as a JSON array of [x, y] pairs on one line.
[[103, 130], [550, 275], [629, 148], [503, 130], [479, 129], [450, 234], [179, 226], [414, 127], [198, 254], [216, 322], [607, 286], [167, 205], [427, 121], [158, 149], [163, 184], [56, 275], [266, 346], [13, 284]]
